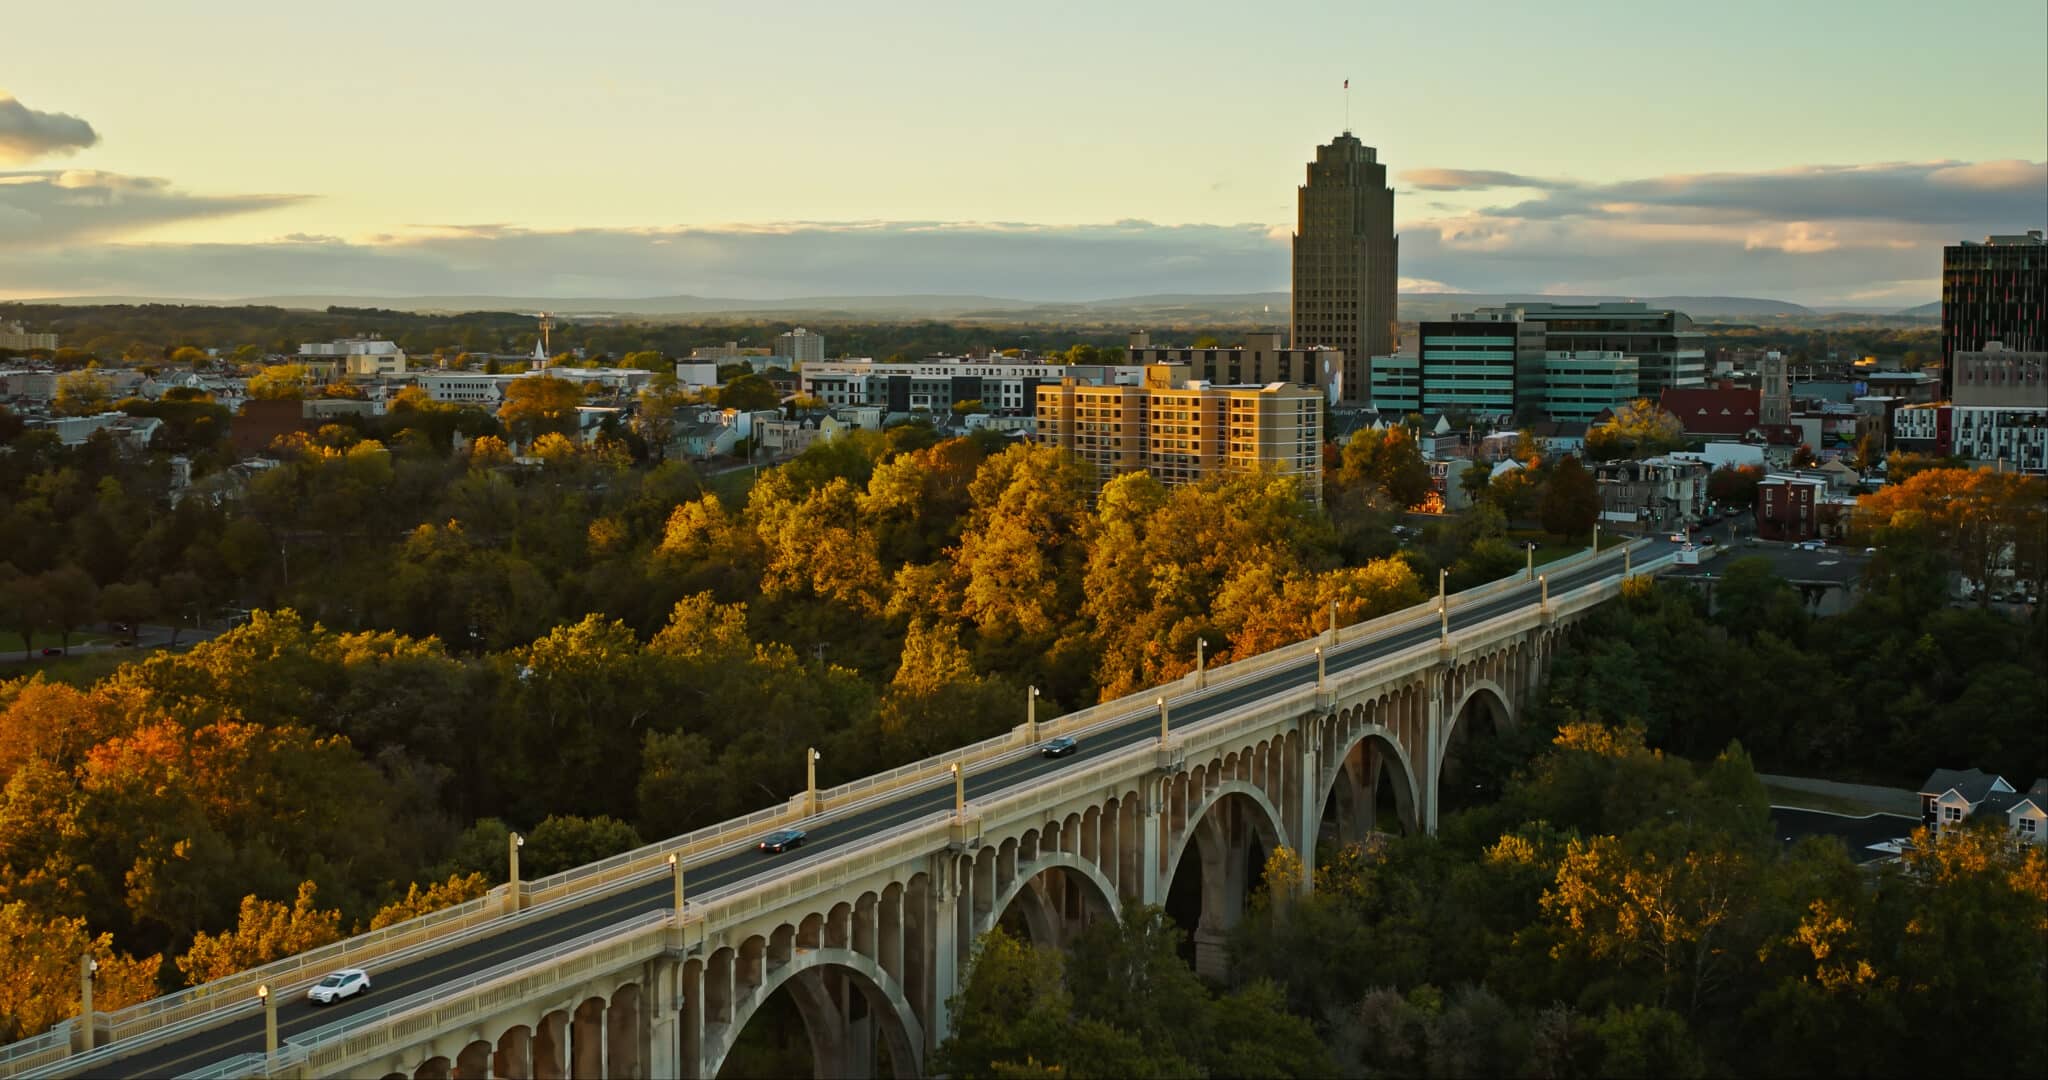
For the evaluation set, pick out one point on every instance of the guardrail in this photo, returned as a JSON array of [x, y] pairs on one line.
[[219, 998]]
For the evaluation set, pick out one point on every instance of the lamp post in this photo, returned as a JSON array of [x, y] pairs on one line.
[[811, 757], [1201, 645], [269, 1001], [1443, 607], [675, 864], [1333, 622], [513, 843], [1544, 581], [1162, 720], [1627, 558], [1530, 547], [1319, 669], [959, 793], [1031, 715], [1596, 538], [88, 973]]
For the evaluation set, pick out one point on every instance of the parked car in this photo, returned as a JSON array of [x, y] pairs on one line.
[[1060, 747], [346, 983], [53, 652], [781, 840]]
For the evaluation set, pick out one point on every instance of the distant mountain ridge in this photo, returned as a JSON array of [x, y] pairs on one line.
[[1256, 307]]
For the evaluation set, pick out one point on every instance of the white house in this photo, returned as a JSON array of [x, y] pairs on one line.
[[1951, 795]]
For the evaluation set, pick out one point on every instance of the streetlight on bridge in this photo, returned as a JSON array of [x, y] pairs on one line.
[[959, 793], [88, 973], [1031, 715], [811, 757], [1161, 701], [269, 1001], [1201, 644], [675, 864], [513, 842], [1443, 606]]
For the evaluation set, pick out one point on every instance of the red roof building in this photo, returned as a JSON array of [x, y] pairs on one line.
[[1725, 411]]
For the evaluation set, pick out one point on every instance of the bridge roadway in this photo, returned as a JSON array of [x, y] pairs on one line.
[[245, 1034]]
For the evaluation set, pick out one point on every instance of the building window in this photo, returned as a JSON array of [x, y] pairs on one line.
[[2027, 827], [1951, 813]]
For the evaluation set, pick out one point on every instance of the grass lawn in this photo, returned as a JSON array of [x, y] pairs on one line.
[[732, 487], [1548, 547], [10, 642], [79, 671], [1808, 800]]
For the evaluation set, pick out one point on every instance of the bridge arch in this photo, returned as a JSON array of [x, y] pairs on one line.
[[803, 974], [1340, 781], [1221, 830], [1475, 696], [1096, 893]]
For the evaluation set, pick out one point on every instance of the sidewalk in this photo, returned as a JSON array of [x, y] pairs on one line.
[[1876, 799]]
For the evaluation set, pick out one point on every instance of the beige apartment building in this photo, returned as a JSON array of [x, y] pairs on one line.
[[1184, 431]]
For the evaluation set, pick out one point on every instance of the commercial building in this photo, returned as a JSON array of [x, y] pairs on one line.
[[2014, 438], [1483, 363], [359, 358], [13, 336], [1397, 383], [1346, 256], [801, 346], [1578, 386], [1669, 351], [1997, 376], [937, 383], [1184, 431], [1262, 358], [1993, 291]]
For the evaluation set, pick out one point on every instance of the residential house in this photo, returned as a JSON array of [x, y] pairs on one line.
[[1659, 493], [1950, 796]]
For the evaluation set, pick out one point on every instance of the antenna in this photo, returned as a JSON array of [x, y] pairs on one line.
[[1347, 106]]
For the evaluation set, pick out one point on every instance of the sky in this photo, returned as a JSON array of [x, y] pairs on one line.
[[1814, 151]]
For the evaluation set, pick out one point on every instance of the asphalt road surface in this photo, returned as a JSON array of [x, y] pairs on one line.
[[245, 1034]]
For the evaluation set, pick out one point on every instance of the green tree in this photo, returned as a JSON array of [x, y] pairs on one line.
[[1387, 462], [564, 842], [128, 604], [1571, 500], [71, 600], [748, 393]]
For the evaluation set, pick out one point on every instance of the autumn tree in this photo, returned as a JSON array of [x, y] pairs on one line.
[[1638, 429], [1734, 485], [279, 381], [82, 393], [1386, 463], [265, 930], [39, 960], [540, 405]]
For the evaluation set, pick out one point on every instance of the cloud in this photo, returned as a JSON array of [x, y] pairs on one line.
[[749, 261], [27, 134], [50, 208], [1817, 234], [1938, 192], [1470, 180]]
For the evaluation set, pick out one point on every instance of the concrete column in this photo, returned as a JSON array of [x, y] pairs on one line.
[[661, 1019], [1309, 802], [1432, 763], [945, 936], [1151, 889], [1112, 847], [857, 1029]]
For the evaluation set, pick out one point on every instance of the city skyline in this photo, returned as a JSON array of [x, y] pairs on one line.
[[422, 152]]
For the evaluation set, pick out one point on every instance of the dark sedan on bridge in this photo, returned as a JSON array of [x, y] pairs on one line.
[[781, 840], [1060, 747]]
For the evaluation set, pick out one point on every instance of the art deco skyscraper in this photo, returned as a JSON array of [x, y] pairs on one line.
[[1346, 257]]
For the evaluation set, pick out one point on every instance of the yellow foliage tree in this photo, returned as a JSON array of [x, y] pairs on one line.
[[417, 901], [266, 931], [39, 962]]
